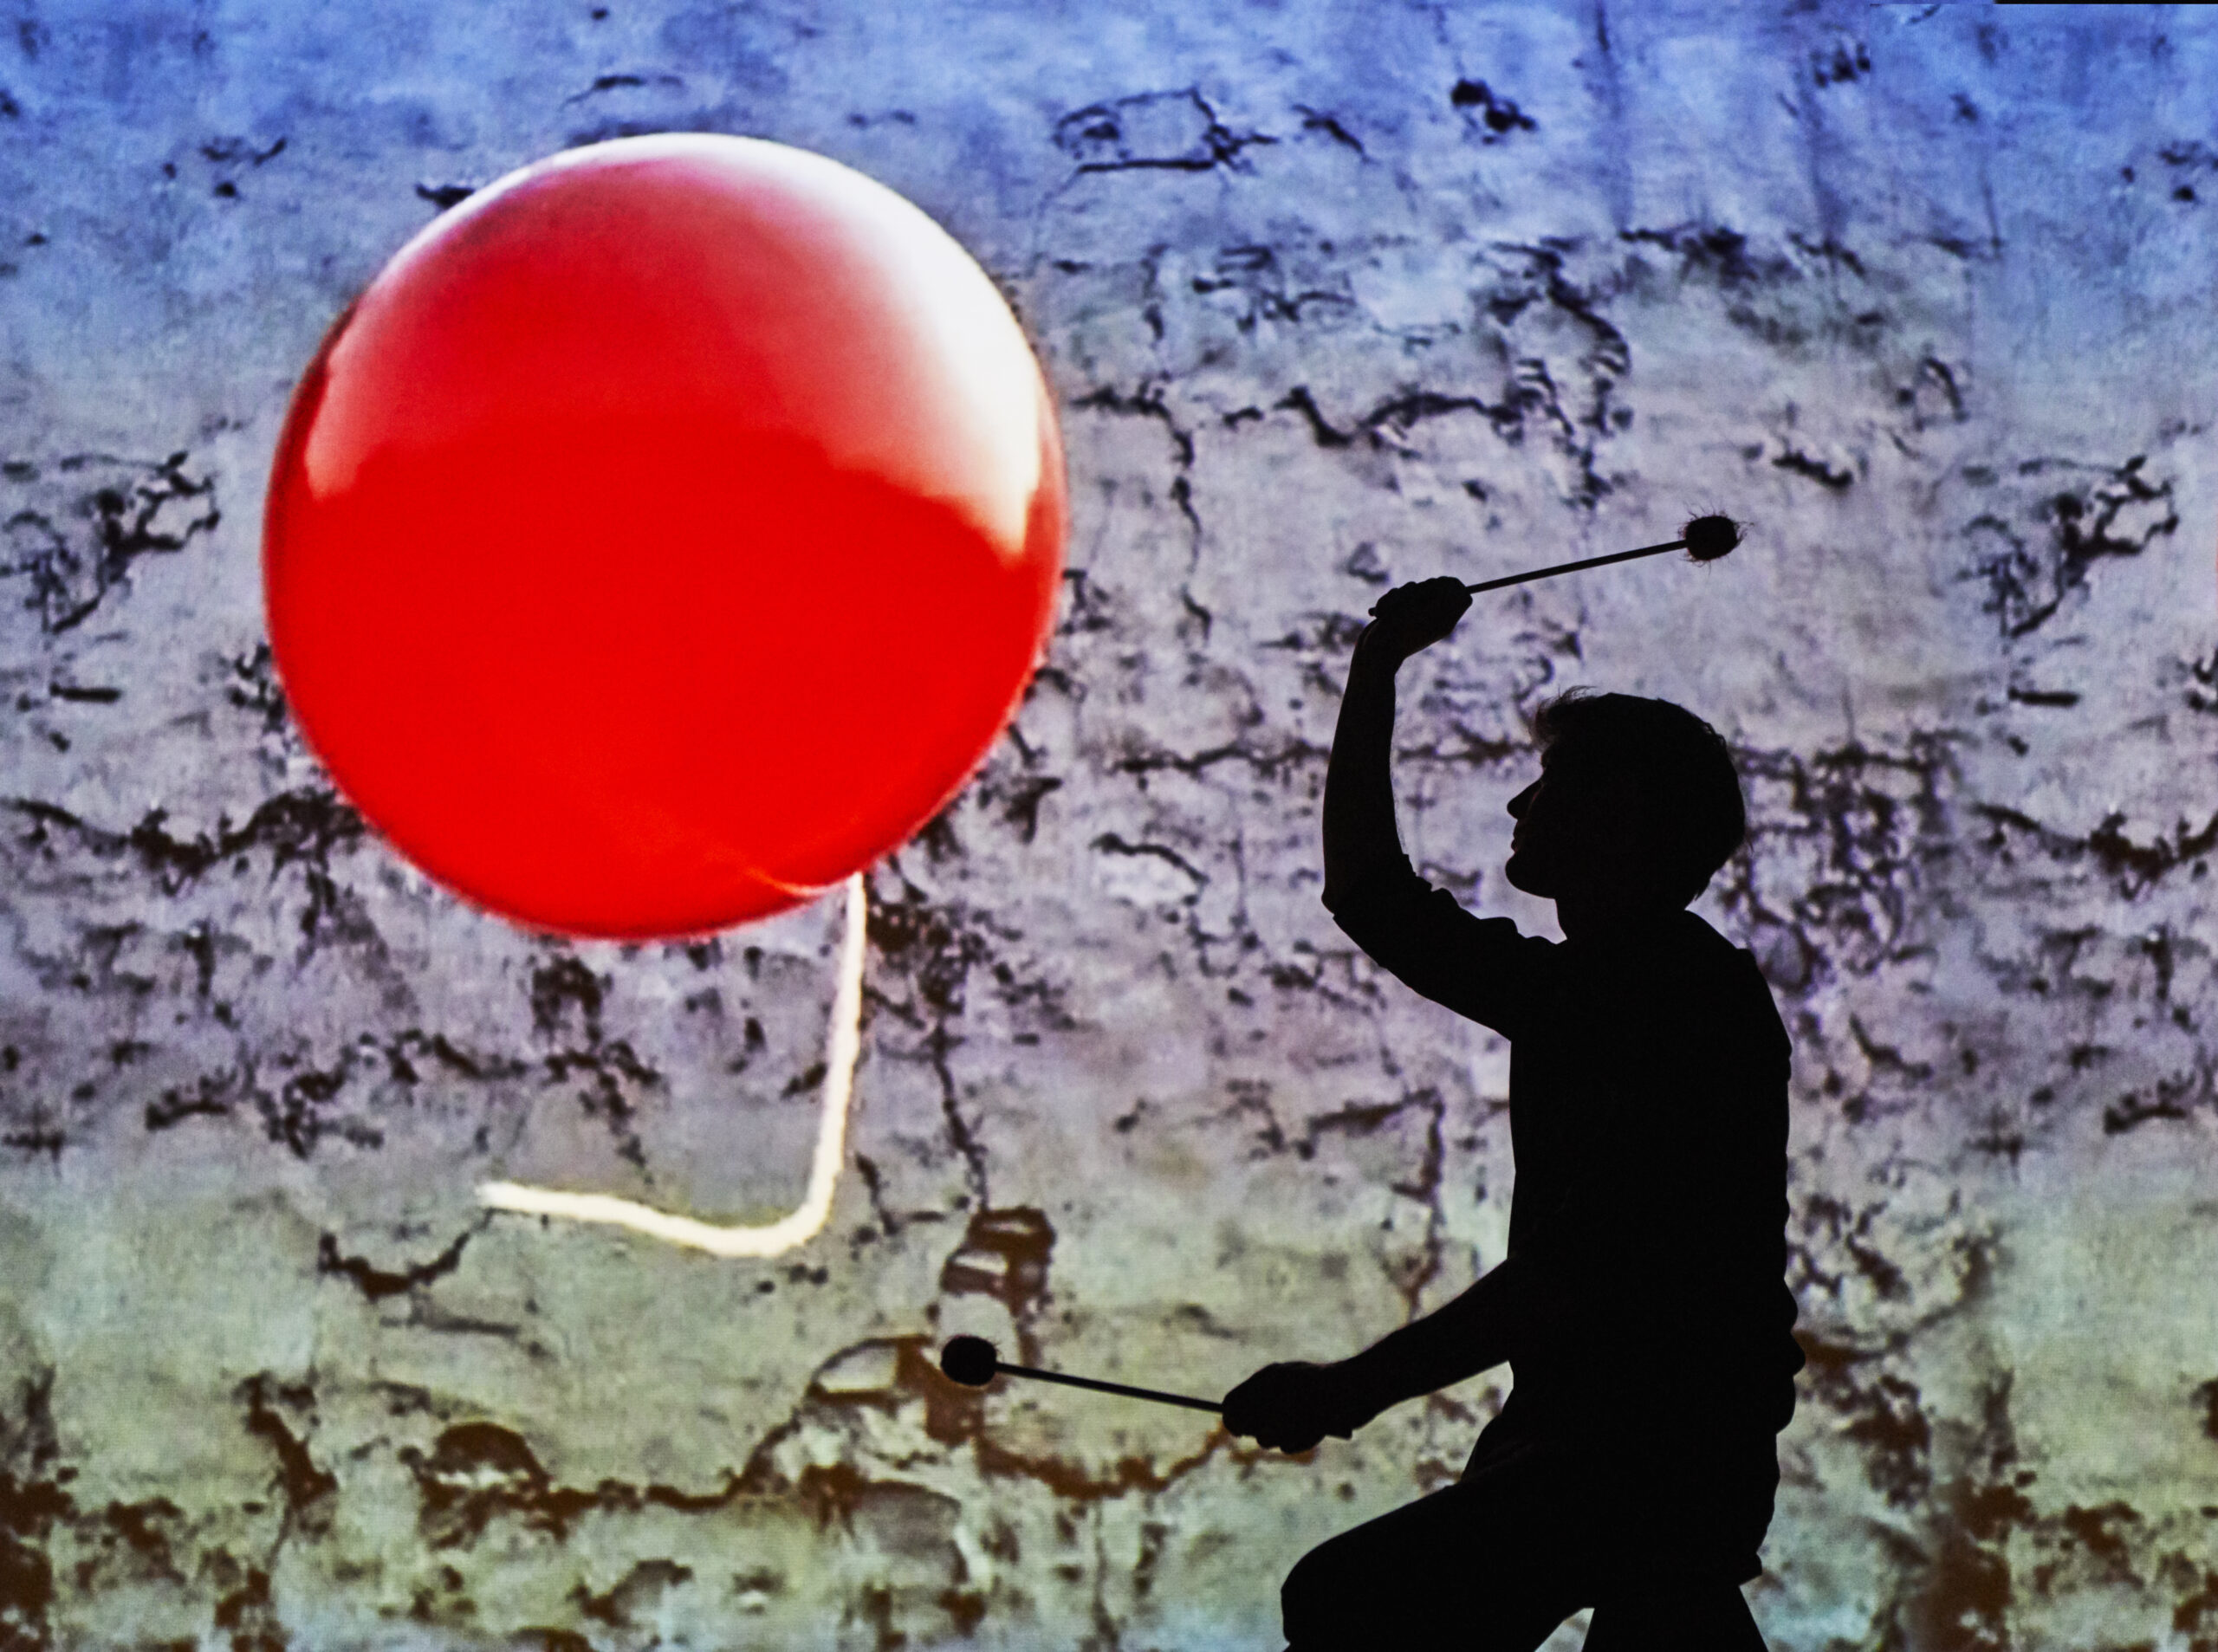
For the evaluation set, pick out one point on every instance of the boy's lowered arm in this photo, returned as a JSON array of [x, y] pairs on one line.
[[1291, 1407]]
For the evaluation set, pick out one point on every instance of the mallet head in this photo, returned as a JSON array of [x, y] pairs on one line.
[[1711, 537], [968, 1360]]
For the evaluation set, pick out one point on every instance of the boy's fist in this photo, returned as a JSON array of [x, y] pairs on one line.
[[1411, 617]]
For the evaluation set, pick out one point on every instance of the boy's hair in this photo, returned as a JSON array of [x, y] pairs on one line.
[[1680, 768]]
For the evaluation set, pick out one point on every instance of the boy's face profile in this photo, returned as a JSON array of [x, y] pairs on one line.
[[1577, 830]]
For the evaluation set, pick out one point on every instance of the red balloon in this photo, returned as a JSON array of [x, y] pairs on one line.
[[665, 533]]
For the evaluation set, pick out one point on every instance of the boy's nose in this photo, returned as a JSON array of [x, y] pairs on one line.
[[1523, 800]]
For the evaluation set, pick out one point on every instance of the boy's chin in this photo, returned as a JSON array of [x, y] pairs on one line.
[[1523, 874]]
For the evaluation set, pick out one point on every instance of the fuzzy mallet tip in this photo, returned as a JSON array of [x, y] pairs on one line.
[[1711, 537], [968, 1360]]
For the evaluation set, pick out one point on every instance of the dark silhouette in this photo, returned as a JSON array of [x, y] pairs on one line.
[[1642, 1305]]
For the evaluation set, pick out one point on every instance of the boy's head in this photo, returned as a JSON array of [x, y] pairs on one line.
[[1638, 801]]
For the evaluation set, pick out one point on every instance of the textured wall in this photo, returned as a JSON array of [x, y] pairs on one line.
[[1331, 295]]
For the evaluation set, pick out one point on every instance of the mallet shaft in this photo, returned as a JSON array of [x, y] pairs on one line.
[[1157, 1394], [1573, 567]]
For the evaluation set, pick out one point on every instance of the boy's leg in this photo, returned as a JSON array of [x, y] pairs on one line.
[[1490, 1564], [1695, 1617]]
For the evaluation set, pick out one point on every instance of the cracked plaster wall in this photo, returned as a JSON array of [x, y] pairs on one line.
[[1332, 296]]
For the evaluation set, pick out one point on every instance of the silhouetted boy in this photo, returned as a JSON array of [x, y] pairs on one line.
[[1641, 1304]]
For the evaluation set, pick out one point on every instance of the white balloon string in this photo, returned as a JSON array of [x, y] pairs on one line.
[[843, 1046]]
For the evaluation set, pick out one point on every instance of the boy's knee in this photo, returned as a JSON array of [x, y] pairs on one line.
[[1313, 1600], [1298, 1601], [1713, 1613]]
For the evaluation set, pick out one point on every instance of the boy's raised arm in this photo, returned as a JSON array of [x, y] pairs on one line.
[[1360, 836]]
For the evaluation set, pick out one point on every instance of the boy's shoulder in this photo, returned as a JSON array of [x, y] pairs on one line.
[[1720, 970]]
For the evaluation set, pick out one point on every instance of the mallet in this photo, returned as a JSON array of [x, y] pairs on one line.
[[971, 1362], [1704, 539]]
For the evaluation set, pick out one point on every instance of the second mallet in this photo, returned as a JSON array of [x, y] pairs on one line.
[[1704, 539], [972, 1362]]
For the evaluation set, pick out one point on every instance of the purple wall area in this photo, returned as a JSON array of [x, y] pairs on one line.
[[1332, 296]]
